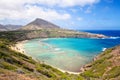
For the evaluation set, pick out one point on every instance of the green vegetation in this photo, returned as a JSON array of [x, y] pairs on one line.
[[106, 67], [44, 33], [19, 63], [113, 73], [6, 65]]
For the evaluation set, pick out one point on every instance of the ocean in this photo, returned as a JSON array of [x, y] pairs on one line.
[[70, 54]]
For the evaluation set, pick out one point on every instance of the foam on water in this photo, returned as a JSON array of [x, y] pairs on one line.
[[68, 53], [57, 49], [114, 37], [55, 56], [103, 49]]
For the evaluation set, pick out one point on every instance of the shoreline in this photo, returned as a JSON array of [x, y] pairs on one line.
[[18, 47]]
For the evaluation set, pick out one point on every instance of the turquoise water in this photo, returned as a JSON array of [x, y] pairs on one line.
[[67, 53]]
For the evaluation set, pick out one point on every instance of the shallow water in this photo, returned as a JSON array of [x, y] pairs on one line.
[[67, 53]]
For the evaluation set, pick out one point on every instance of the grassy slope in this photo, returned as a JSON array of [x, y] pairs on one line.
[[45, 33], [14, 65], [105, 67]]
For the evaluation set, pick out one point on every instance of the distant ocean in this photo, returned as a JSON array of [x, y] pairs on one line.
[[113, 33], [71, 53]]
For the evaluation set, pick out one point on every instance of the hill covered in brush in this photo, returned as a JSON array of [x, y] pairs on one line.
[[15, 65], [39, 24], [40, 28]]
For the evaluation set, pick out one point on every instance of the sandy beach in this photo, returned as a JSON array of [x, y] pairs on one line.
[[19, 48], [68, 71]]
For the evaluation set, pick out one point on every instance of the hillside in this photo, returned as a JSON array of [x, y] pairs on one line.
[[47, 33], [15, 65], [39, 24], [105, 66], [9, 27], [2, 28], [40, 28]]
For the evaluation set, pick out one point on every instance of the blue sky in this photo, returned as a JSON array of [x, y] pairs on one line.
[[72, 14]]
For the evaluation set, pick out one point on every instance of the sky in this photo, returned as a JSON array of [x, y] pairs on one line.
[[71, 14]]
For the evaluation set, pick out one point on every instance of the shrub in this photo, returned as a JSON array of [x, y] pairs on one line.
[[114, 72], [8, 66]]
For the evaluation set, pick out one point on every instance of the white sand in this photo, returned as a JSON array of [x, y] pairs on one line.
[[68, 71], [19, 48]]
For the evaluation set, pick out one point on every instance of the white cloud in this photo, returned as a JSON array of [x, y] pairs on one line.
[[88, 10], [73, 10], [82, 3], [34, 11], [79, 19], [67, 3], [30, 12], [61, 3], [29, 9]]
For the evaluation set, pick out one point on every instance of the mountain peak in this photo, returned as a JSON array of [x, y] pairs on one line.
[[38, 19], [9, 27], [39, 24], [2, 28]]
